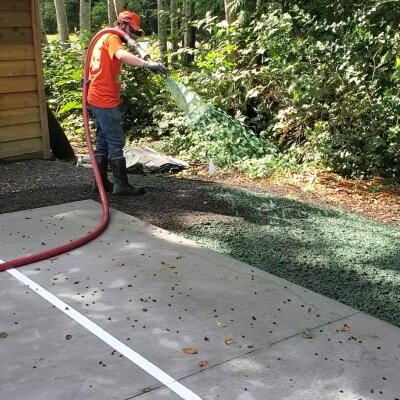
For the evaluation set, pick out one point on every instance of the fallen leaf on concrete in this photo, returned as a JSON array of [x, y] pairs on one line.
[[3, 335], [120, 264], [203, 363], [170, 266], [221, 324], [6, 183], [345, 328], [146, 390], [307, 334], [190, 350], [228, 341]]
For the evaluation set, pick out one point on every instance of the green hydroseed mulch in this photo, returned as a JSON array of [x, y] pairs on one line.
[[340, 255]]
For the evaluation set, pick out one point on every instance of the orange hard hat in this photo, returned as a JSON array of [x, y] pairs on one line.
[[132, 19]]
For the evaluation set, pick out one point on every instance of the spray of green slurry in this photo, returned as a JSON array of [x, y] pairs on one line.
[[229, 140], [188, 101]]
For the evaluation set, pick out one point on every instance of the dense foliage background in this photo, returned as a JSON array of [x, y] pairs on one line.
[[316, 82]]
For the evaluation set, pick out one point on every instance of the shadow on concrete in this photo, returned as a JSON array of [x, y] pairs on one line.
[[342, 256]]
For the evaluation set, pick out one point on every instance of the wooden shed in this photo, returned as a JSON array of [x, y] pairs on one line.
[[23, 118]]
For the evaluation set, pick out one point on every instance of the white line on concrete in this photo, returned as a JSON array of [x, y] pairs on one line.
[[130, 354]]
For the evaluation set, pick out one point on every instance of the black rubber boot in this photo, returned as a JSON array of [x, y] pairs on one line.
[[121, 184], [102, 162]]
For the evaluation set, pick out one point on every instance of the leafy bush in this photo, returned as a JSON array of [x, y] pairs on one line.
[[48, 16], [63, 70], [324, 91], [99, 15], [315, 84]]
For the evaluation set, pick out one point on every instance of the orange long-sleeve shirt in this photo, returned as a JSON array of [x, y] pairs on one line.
[[105, 68]]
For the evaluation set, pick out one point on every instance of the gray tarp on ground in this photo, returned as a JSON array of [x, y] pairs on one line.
[[145, 160]]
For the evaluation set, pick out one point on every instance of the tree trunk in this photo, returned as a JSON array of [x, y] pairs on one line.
[[43, 31], [189, 32], [62, 23], [84, 16], [174, 25], [162, 29], [285, 5], [112, 17], [259, 7], [230, 11], [118, 6]]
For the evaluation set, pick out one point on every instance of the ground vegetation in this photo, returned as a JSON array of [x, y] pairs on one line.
[[318, 86]]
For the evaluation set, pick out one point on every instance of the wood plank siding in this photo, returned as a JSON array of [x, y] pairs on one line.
[[23, 117]]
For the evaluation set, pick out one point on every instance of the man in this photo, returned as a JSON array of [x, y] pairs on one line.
[[104, 97]]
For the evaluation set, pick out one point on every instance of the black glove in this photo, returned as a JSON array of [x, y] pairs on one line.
[[156, 68]]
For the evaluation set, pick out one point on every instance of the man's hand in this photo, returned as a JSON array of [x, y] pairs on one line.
[[156, 68]]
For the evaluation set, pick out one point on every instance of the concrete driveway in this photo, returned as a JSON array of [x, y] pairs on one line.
[[142, 313]]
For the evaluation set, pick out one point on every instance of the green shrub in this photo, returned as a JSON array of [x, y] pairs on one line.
[[324, 92], [63, 70], [316, 85], [99, 16]]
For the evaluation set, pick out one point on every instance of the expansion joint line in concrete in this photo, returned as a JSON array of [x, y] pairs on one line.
[[254, 351], [107, 338]]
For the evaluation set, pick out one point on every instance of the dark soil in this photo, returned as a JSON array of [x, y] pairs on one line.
[[173, 203], [169, 203]]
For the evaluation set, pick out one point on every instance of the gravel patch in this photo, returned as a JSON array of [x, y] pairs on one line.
[[38, 183]]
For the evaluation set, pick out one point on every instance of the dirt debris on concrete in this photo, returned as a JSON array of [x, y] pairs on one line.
[[295, 229]]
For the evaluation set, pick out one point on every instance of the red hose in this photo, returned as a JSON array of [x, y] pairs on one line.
[[44, 255]]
